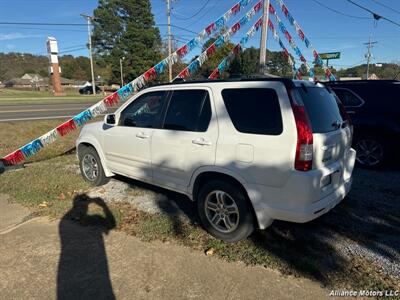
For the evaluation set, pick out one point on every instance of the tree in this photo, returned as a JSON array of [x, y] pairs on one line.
[[126, 28]]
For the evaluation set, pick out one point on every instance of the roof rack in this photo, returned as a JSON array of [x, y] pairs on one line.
[[234, 78]]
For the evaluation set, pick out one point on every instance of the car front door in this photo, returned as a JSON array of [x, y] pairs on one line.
[[187, 139], [127, 145]]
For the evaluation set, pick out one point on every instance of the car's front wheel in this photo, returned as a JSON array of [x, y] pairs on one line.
[[90, 166], [224, 211]]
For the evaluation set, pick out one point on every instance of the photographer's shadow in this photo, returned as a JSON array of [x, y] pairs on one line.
[[83, 269]]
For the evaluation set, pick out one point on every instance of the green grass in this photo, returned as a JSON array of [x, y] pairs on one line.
[[14, 135], [19, 97]]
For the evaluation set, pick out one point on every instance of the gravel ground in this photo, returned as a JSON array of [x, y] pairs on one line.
[[366, 225]]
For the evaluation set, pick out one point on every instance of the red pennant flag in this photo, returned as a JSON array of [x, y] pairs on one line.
[[271, 9], [315, 54], [270, 25], [150, 74], [235, 9], [328, 72], [14, 158], [66, 127], [185, 73], [258, 24], [214, 74], [285, 10], [210, 28], [111, 100], [182, 51], [301, 34], [285, 53], [298, 75], [288, 36], [235, 27], [211, 50], [303, 59], [237, 48], [258, 6]]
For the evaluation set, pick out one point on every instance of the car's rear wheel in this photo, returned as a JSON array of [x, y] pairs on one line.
[[370, 152], [224, 211], [91, 168]]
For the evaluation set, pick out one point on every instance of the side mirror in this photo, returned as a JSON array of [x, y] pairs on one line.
[[110, 119]]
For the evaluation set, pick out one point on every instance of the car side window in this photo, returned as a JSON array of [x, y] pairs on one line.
[[144, 111], [254, 110], [188, 110], [348, 98]]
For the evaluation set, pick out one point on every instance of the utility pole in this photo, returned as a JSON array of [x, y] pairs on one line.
[[369, 55], [169, 37], [89, 22], [122, 74], [264, 36]]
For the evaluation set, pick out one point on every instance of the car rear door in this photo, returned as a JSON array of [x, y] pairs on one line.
[[332, 135], [187, 138]]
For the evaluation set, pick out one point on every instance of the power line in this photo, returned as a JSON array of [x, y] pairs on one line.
[[41, 24], [375, 15], [339, 12], [386, 6], [198, 12]]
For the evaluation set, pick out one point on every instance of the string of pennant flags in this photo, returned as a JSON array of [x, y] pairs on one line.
[[291, 41], [218, 71], [222, 39], [303, 37], [140, 82], [124, 93]]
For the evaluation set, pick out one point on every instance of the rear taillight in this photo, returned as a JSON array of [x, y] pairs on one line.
[[304, 149]]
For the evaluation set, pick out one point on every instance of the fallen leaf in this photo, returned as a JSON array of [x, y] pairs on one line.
[[210, 252], [61, 196], [44, 204]]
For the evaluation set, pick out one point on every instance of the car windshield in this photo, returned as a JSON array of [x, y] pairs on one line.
[[322, 109]]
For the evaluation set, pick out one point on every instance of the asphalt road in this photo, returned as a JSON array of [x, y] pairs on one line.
[[28, 112]]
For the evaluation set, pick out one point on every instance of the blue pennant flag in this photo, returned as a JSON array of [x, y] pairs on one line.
[[125, 92], [220, 22], [219, 42], [82, 118], [307, 42], [194, 66], [291, 20], [160, 67], [192, 44], [243, 21], [32, 148]]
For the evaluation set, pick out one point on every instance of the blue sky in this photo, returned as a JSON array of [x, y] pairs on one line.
[[327, 30]]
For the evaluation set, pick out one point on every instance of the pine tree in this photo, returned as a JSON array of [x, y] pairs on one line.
[[126, 28]]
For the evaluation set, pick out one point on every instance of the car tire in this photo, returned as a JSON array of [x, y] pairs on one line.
[[225, 211], [371, 152], [91, 167]]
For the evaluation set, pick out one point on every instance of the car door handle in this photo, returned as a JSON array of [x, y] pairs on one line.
[[142, 135], [201, 142]]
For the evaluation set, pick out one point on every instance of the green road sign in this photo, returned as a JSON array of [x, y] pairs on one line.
[[330, 55]]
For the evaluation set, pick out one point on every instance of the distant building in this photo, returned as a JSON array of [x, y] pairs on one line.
[[28, 81]]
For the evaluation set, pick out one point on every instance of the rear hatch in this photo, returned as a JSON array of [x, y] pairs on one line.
[[332, 133]]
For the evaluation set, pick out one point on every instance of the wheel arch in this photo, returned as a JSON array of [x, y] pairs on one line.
[[201, 177], [94, 144]]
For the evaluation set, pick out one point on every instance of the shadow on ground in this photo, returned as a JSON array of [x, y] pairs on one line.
[[83, 268], [365, 225]]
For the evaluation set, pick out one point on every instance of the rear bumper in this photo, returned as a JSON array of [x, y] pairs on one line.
[[315, 210], [302, 198]]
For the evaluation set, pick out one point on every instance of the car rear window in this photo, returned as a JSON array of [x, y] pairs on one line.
[[322, 109], [254, 111]]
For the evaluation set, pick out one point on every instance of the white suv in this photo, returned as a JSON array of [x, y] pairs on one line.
[[247, 151]]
